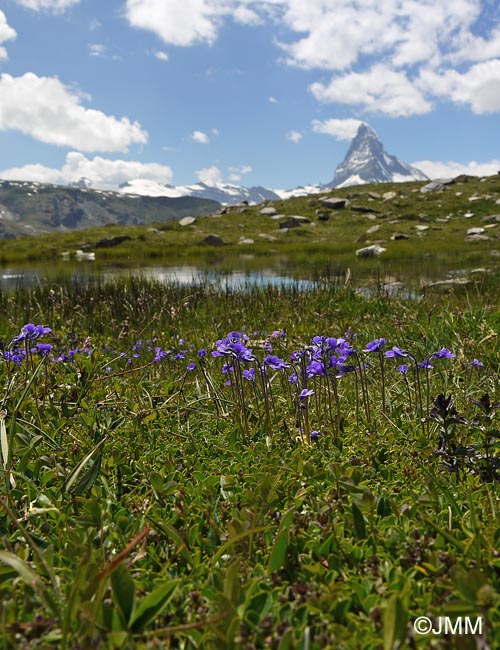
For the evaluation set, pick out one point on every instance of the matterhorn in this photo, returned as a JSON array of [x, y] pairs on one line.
[[368, 162]]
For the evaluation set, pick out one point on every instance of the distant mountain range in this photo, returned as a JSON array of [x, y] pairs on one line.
[[32, 208], [366, 162]]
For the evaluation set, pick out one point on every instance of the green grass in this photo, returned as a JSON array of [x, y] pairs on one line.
[[152, 509]]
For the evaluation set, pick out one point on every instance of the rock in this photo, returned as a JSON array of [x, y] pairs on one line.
[[155, 231], [109, 242], [291, 222], [300, 219], [495, 253], [473, 238], [65, 256], [268, 212], [362, 208], [388, 196], [461, 178], [374, 196], [475, 231], [213, 240], [491, 217], [370, 251], [442, 219], [399, 235], [433, 186], [421, 228], [187, 221], [468, 215], [362, 238], [449, 283], [497, 202], [373, 229], [276, 217], [322, 216], [82, 256], [267, 237], [334, 203], [244, 240]]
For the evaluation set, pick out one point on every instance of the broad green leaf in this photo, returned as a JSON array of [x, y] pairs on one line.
[[150, 606], [24, 571], [395, 618], [123, 590], [4, 440], [232, 587], [359, 522], [278, 554], [89, 477]]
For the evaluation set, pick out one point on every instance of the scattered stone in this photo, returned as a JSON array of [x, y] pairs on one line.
[[491, 217], [468, 215], [363, 209], [473, 238], [421, 228], [267, 237], [213, 240], [66, 255], [373, 229], [334, 203], [433, 186], [497, 202], [155, 231], [374, 196], [450, 282], [362, 238], [83, 256], [388, 196], [495, 253], [291, 222], [442, 219], [109, 242], [370, 251], [244, 240], [268, 212], [187, 221], [321, 215], [475, 231], [276, 217], [399, 235]]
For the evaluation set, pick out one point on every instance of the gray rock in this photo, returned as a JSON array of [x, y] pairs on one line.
[[421, 228], [334, 203], [276, 217], [321, 215], [364, 209], [433, 186], [398, 236], [370, 251], [373, 229], [267, 237], [476, 231], [388, 196], [187, 221], [268, 212], [244, 240], [300, 219], [473, 238], [291, 222], [491, 217], [109, 242], [214, 240], [374, 196]]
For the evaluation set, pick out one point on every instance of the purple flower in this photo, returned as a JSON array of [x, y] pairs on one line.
[[275, 363], [314, 435], [396, 353], [443, 353], [191, 366], [44, 349], [305, 392], [30, 332], [159, 354], [202, 353], [375, 346], [249, 374], [316, 369], [293, 379], [426, 364], [403, 369], [477, 364]]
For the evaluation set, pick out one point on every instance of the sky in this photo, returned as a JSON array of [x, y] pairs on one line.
[[243, 91]]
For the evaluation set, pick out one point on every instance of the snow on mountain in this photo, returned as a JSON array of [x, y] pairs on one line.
[[368, 162]]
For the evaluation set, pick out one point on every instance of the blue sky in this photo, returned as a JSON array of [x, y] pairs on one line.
[[250, 92]]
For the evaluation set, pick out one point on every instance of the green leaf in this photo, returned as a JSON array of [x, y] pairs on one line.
[[123, 590], [152, 605], [232, 587], [359, 522], [278, 554], [395, 617], [23, 570], [89, 477]]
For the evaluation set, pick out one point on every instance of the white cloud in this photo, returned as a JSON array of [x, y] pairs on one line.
[[294, 136], [246, 16], [273, 100], [438, 169], [215, 132], [162, 56], [209, 175], [479, 86], [344, 129], [96, 49], [177, 22], [103, 172], [380, 89], [51, 112], [199, 136], [238, 172], [7, 33], [50, 5]]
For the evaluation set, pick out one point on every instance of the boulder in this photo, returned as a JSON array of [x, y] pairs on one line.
[[321, 215], [433, 186], [109, 242], [388, 196], [476, 231], [370, 251], [334, 203], [398, 236], [291, 222], [187, 221], [213, 240], [373, 229], [244, 240], [478, 237], [364, 209], [268, 212]]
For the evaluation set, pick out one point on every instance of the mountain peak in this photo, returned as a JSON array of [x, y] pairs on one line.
[[367, 162]]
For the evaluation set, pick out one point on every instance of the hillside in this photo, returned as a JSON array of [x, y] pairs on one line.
[[35, 208]]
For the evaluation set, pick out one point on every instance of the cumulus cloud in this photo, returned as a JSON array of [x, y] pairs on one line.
[[379, 89], [56, 6], [103, 172], [479, 86], [209, 175], [7, 33], [344, 129], [96, 49], [273, 100], [294, 136], [51, 112], [238, 172], [438, 169], [199, 136], [162, 56]]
